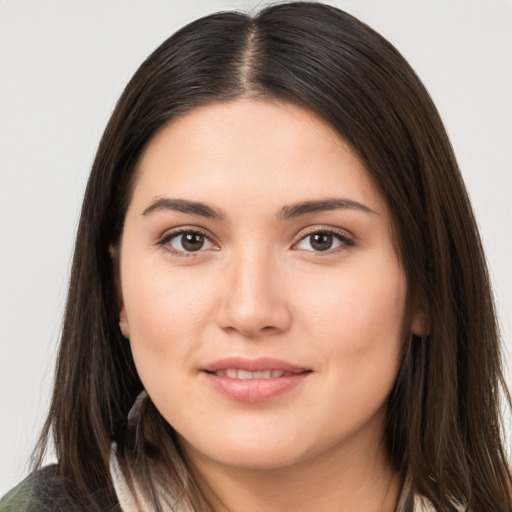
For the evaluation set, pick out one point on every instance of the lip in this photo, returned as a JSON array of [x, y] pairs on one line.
[[254, 365], [255, 389]]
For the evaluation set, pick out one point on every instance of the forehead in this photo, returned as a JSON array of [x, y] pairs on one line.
[[250, 150]]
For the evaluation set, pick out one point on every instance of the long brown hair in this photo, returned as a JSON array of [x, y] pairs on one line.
[[443, 424]]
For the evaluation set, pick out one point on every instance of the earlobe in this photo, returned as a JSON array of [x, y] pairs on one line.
[[123, 324], [420, 326], [123, 321]]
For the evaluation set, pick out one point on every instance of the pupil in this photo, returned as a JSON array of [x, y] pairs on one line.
[[192, 241], [321, 241]]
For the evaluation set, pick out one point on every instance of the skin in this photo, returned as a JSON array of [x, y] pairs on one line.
[[257, 288]]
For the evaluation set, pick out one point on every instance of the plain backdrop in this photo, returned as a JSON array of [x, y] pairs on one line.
[[64, 63]]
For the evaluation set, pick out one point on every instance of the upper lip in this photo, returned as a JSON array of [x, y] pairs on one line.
[[253, 365]]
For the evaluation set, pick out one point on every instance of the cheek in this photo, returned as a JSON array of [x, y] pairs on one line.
[[359, 314], [357, 324], [371, 298], [166, 316], [165, 311]]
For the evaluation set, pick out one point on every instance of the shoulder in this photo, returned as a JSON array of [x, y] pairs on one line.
[[44, 490]]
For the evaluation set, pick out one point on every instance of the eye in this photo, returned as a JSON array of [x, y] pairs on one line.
[[323, 241], [188, 241]]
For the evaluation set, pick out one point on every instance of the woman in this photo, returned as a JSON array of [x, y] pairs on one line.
[[278, 297]]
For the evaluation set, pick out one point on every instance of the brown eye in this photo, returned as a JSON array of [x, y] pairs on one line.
[[323, 241], [188, 241], [192, 242]]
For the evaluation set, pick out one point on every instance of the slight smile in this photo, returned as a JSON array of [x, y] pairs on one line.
[[240, 373], [253, 380]]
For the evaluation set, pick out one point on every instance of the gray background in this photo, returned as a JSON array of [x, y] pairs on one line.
[[64, 63]]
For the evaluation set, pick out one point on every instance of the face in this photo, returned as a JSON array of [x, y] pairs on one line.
[[261, 291]]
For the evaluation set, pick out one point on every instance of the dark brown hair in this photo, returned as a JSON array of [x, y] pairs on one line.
[[443, 423]]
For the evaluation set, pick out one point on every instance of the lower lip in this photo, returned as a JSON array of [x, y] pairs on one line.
[[255, 390]]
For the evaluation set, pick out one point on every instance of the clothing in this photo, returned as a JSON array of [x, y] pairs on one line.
[[44, 491]]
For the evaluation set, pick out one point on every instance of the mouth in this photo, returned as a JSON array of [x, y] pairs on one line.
[[241, 374], [254, 380]]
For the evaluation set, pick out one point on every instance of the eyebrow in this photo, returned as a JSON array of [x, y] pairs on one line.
[[287, 212], [304, 207], [184, 206]]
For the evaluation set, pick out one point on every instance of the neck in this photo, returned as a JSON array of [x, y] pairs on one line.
[[341, 480]]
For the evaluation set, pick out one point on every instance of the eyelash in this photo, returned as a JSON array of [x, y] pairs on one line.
[[345, 241]]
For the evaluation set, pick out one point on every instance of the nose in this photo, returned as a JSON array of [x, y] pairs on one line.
[[254, 301]]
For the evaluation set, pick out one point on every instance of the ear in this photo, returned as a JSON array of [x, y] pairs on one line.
[[123, 320], [123, 324], [420, 325]]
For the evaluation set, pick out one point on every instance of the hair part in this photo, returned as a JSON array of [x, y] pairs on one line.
[[443, 422]]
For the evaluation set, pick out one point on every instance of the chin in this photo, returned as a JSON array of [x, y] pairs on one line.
[[257, 460], [255, 454]]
